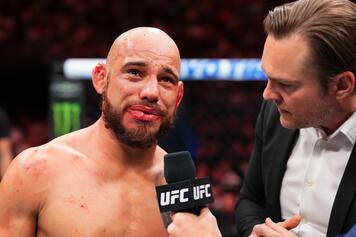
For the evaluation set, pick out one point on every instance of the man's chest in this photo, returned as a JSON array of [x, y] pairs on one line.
[[116, 209]]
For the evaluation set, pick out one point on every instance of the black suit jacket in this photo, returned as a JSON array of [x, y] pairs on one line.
[[259, 196]]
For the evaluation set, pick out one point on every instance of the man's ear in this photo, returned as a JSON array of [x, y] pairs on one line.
[[99, 77], [345, 84], [180, 93]]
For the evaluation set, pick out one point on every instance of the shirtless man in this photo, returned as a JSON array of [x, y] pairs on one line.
[[99, 181]]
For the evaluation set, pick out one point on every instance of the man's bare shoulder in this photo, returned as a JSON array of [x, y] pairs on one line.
[[29, 177], [43, 162]]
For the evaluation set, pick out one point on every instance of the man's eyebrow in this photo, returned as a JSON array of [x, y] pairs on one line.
[[278, 79], [143, 64], [138, 63], [282, 80]]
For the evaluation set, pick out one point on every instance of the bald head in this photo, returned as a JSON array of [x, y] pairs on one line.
[[143, 39], [140, 86]]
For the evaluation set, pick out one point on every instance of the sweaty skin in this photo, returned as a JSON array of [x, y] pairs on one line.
[[89, 183]]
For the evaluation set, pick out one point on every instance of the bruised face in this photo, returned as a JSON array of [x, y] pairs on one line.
[[143, 135], [294, 86], [143, 90]]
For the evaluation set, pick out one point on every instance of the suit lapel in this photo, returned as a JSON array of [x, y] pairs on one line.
[[344, 197]]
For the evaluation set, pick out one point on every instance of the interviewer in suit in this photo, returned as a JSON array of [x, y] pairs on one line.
[[302, 169], [301, 178]]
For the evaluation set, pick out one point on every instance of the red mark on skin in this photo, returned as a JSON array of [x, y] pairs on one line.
[[145, 113], [80, 201], [139, 115], [35, 167], [77, 201], [72, 200], [84, 206], [99, 174], [97, 69]]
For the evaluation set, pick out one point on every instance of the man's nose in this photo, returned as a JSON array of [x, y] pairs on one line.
[[269, 93], [150, 90]]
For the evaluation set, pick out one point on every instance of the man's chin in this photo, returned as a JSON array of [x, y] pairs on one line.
[[140, 124], [143, 130], [287, 124], [139, 137], [294, 124], [140, 144]]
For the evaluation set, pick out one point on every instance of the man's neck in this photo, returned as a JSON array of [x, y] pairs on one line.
[[119, 154]]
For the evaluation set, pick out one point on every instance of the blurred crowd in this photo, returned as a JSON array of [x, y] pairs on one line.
[[47, 31], [219, 116], [223, 115]]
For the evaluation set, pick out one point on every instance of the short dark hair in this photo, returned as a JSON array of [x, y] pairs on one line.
[[329, 26]]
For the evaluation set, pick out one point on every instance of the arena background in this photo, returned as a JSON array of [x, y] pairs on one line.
[[217, 117]]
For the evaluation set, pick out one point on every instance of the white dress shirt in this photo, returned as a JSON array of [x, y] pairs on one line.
[[313, 174]]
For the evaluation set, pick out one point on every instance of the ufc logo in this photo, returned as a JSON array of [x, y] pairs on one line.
[[169, 198], [201, 191]]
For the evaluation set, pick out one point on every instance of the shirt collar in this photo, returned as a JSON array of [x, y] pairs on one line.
[[348, 129]]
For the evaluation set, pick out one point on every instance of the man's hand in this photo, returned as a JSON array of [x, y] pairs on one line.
[[187, 224], [281, 229], [291, 222]]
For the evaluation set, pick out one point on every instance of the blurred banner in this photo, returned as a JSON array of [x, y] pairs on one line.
[[191, 69]]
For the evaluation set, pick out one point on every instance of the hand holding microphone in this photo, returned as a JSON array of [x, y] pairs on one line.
[[186, 224], [186, 196]]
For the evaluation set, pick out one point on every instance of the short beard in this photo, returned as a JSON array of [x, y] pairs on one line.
[[317, 117], [141, 137]]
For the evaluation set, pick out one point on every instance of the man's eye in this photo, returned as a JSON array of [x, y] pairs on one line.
[[167, 79], [285, 85], [134, 71], [289, 87]]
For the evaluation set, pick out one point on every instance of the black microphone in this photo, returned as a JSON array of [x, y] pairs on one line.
[[183, 193]]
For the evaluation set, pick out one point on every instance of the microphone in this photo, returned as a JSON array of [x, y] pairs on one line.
[[183, 192]]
